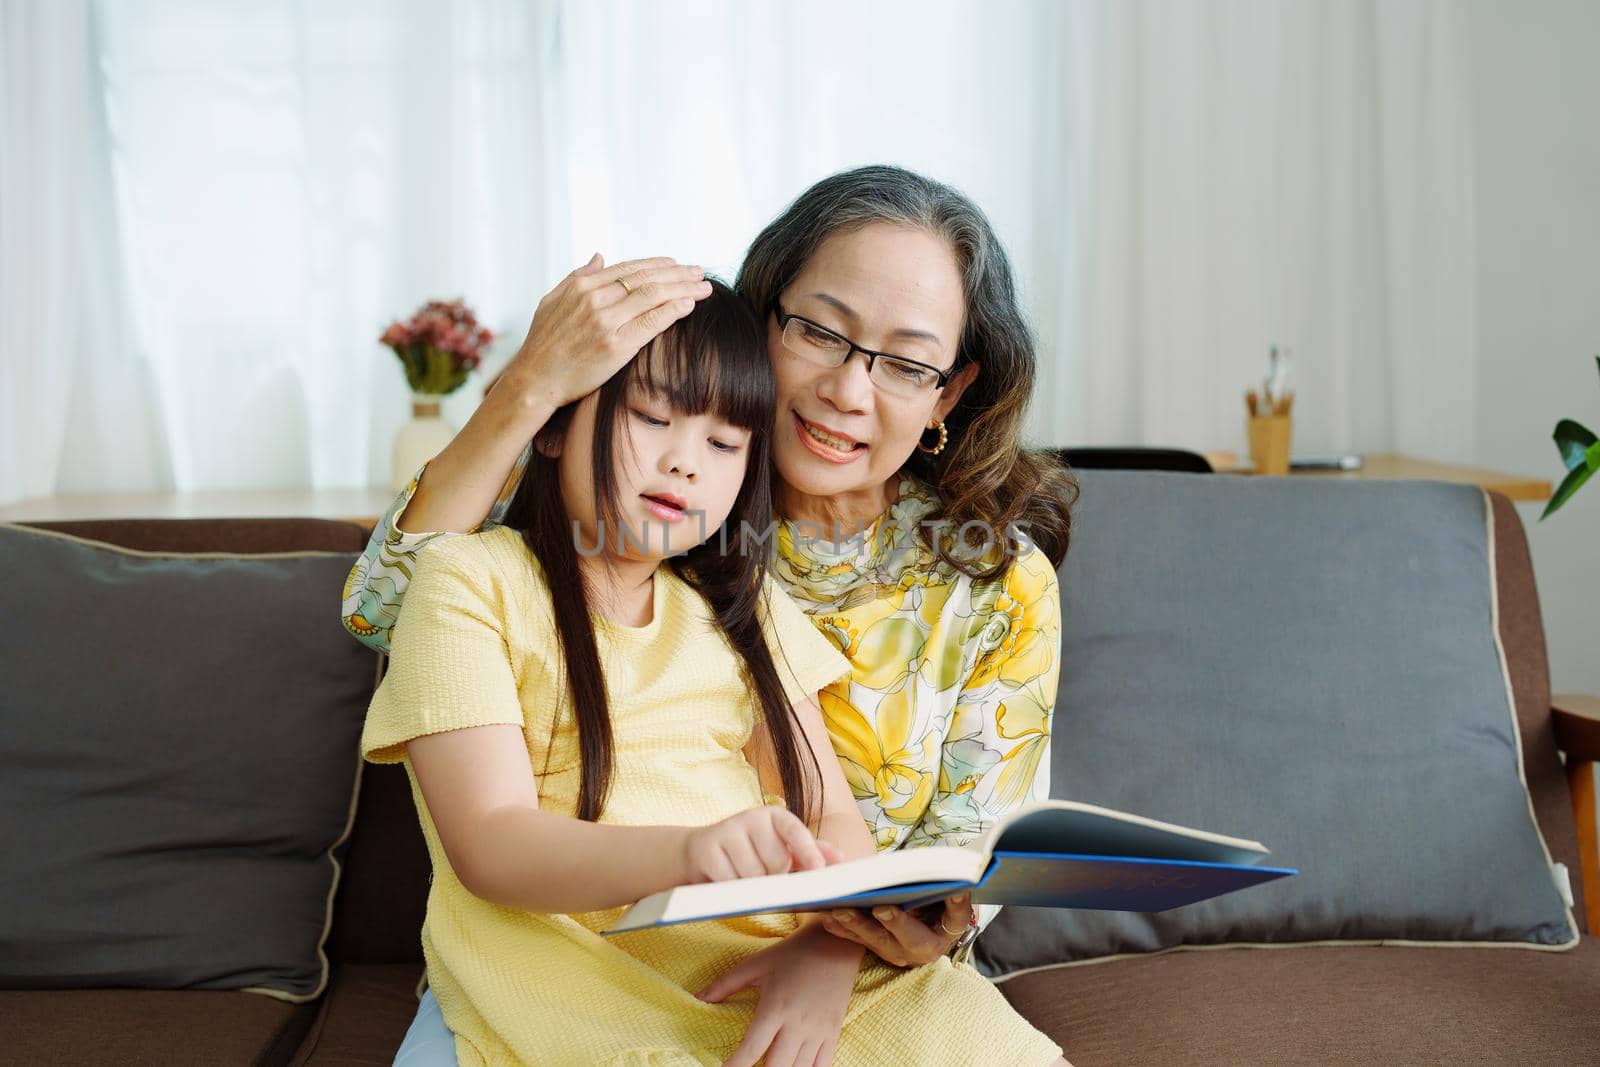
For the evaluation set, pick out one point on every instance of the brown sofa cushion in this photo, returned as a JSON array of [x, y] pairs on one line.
[[384, 893], [364, 1016], [243, 536], [172, 1028], [1321, 1006]]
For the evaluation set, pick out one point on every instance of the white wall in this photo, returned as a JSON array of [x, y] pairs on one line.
[[1537, 101]]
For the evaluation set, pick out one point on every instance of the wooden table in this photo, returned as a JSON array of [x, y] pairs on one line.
[[1382, 466], [366, 506]]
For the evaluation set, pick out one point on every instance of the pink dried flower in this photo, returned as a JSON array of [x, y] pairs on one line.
[[439, 345]]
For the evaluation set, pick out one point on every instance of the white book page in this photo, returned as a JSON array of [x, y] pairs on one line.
[[773, 891], [1073, 826]]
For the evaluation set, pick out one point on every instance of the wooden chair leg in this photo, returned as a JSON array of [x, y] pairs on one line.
[[1580, 776]]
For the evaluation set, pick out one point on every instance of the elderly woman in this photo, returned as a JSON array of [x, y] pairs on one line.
[[912, 527]]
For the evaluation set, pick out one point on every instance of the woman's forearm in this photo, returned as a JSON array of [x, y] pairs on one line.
[[461, 484], [545, 862]]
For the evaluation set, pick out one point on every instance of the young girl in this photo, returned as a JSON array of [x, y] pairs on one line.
[[606, 697]]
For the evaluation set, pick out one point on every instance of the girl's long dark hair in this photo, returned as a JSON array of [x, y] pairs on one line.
[[713, 360]]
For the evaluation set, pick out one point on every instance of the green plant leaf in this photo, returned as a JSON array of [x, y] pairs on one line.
[[1569, 485], [1573, 441], [1580, 453]]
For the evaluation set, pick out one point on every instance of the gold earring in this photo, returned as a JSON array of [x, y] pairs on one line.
[[944, 435]]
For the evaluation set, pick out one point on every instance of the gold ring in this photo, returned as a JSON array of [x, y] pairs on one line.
[[624, 285], [948, 933]]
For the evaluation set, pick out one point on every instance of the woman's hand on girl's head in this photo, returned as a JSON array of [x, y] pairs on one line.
[[588, 327], [900, 937], [764, 840]]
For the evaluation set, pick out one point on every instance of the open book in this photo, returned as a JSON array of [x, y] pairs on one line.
[[1053, 854]]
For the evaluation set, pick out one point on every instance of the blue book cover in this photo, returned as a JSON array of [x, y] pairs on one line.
[[1059, 880], [1053, 854]]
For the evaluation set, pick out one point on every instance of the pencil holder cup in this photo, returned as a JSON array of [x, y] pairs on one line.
[[1269, 443]]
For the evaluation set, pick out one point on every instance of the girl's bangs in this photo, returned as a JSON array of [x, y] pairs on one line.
[[713, 361]]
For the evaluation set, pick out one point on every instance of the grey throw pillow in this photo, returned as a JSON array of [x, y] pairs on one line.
[[1310, 664], [178, 759]]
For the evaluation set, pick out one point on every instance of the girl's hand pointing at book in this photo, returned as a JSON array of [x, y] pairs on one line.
[[757, 841], [899, 937]]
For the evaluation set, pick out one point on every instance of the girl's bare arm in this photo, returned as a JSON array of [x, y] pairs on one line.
[[479, 786]]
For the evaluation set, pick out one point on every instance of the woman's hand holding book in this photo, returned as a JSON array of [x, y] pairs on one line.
[[901, 937]]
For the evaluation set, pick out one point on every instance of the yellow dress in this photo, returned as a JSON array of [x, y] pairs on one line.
[[476, 646]]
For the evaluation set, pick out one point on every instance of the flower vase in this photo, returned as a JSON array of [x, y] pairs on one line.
[[418, 440]]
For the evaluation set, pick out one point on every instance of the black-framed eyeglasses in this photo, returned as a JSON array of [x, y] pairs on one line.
[[894, 374]]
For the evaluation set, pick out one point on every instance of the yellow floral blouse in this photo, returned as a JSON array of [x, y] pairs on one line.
[[944, 723]]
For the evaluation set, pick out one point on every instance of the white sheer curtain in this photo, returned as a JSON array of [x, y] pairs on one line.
[[295, 175], [693, 124], [1260, 172], [1179, 184], [75, 395], [287, 178]]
